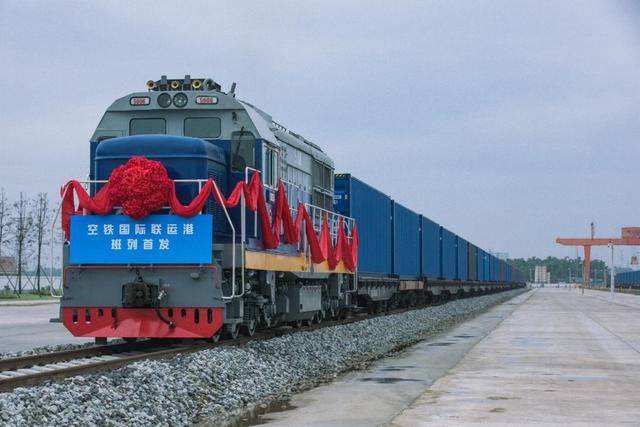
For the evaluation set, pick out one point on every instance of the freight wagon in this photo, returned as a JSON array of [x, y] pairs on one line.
[[409, 257]]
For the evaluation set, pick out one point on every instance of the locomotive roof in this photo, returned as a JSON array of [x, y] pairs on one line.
[[265, 127]]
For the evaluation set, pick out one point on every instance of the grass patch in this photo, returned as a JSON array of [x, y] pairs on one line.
[[24, 297]]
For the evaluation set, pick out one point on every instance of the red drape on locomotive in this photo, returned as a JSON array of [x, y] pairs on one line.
[[321, 248]]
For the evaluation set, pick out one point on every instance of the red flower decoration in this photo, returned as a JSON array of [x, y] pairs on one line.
[[141, 186]]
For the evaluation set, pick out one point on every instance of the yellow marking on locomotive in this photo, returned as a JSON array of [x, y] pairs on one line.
[[274, 262], [323, 267], [256, 260]]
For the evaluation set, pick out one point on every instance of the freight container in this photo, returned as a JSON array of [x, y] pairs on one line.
[[509, 273], [462, 269], [629, 278], [471, 261], [485, 266], [372, 212], [486, 270], [495, 270], [406, 242], [480, 265], [448, 254], [494, 275], [430, 257]]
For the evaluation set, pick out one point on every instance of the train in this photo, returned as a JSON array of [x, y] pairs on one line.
[[628, 279], [203, 217]]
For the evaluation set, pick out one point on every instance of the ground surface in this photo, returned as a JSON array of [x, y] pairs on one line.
[[550, 357], [25, 325], [375, 396]]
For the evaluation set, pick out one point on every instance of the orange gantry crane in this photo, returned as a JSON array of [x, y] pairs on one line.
[[630, 236]]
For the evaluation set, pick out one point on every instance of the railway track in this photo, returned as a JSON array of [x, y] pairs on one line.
[[35, 369]]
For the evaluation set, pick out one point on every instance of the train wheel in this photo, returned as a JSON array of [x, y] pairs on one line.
[[267, 321], [216, 336], [233, 331], [249, 328], [320, 316], [309, 322], [297, 324]]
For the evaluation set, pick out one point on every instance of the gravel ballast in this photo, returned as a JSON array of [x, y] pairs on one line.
[[221, 382]]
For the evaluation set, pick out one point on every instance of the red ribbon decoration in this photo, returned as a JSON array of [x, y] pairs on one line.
[[321, 249]]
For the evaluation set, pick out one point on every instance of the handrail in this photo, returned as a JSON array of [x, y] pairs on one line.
[[233, 252], [255, 217]]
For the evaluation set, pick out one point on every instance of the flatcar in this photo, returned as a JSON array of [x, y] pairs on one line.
[[202, 216]]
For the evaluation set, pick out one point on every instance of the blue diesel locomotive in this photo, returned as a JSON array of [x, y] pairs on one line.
[[170, 275]]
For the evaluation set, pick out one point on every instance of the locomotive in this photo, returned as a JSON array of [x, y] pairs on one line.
[[227, 267]]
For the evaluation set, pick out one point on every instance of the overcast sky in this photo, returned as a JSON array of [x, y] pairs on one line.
[[508, 122]]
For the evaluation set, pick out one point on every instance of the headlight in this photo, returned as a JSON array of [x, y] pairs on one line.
[[164, 100], [180, 100]]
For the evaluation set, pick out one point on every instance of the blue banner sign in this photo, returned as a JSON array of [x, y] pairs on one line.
[[156, 239]]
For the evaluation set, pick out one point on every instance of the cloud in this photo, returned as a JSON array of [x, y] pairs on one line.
[[508, 122]]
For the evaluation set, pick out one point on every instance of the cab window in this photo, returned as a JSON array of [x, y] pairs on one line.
[[202, 127], [243, 147], [147, 126], [270, 167]]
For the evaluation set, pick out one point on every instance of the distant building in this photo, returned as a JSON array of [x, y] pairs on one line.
[[541, 275], [7, 265]]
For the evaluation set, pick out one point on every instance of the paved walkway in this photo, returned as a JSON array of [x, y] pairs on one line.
[[374, 396], [25, 326], [629, 300], [562, 358], [27, 302]]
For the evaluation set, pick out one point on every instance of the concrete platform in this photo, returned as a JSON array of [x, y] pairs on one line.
[[376, 395], [563, 358], [551, 357]]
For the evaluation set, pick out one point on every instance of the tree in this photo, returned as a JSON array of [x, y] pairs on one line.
[[22, 223], [562, 269], [4, 218], [41, 219]]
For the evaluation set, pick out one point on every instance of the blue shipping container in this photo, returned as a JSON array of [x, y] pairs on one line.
[[463, 252], [372, 212], [406, 242], [628, 278], [494, 269], [430, 248], [472, 258], [448, 254], [487, 267]]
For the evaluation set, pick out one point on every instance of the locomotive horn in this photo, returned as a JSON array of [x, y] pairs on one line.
[[196, 84], [151, 84], [175, 84]]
